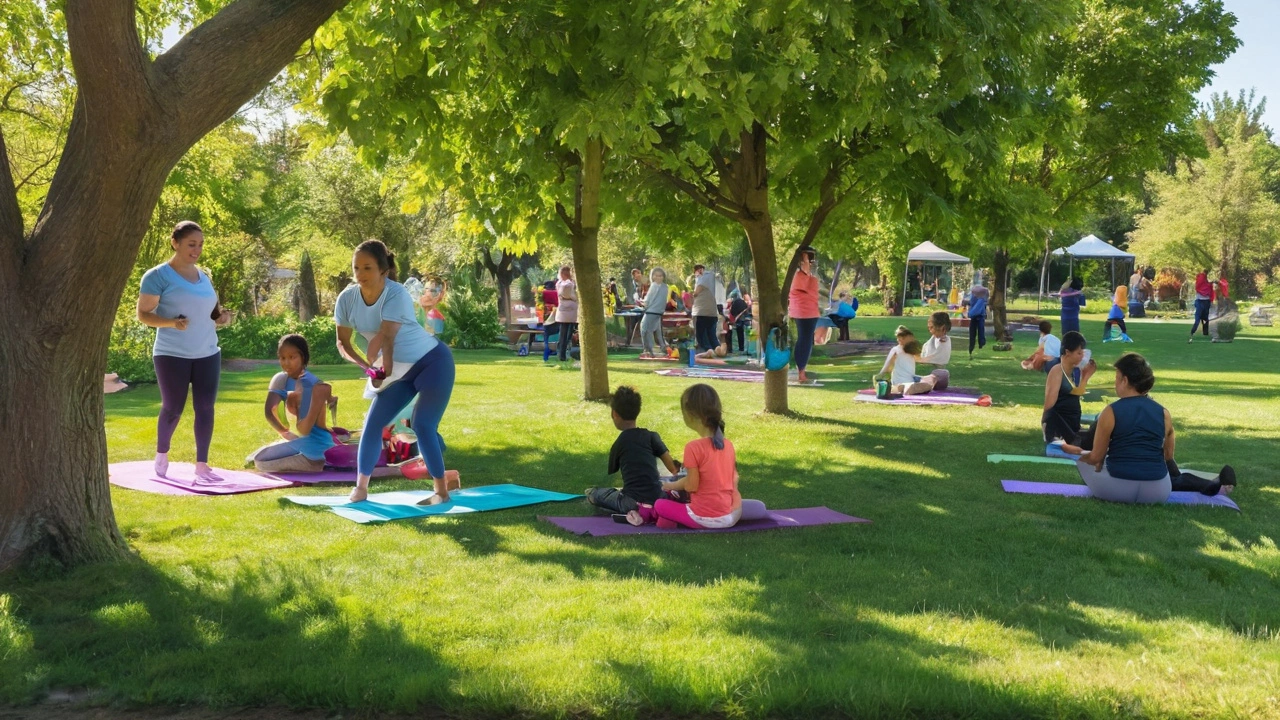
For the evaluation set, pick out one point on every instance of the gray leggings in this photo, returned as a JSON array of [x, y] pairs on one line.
[[1142, 492], [650, 327]]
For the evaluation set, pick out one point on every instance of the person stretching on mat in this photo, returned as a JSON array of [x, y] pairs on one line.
[[654, 304], [1066, 383], [712, 479], [178, 299], [1132, 440], [900, 364], [305, 398], [402, 360], [937, 349], [802, 307], [633, 453]]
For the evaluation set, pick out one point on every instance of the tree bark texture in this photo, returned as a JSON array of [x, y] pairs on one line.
[[750, 186], [999, 291], [586, 261], [60, 284]]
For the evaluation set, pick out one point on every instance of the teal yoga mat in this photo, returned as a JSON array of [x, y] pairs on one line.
[[1030, 459], [402, 505]]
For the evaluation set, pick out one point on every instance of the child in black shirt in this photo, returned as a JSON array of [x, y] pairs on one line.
[[633, 453]]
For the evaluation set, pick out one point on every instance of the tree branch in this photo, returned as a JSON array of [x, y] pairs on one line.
[[109, 60], [221, 64], [569, 222], [11, 229], [714, 201]]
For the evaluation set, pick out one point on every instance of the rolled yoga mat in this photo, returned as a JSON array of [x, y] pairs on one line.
[[1073, 490], [937, 397], [181, 480], [381, 507], [600, 526]]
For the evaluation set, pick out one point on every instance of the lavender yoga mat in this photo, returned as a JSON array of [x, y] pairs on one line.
[[734, 374], [937, 397], [600, 526], [181, 480], [1073, 490]]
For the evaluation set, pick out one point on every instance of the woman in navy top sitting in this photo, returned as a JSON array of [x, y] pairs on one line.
[[1127, 463]]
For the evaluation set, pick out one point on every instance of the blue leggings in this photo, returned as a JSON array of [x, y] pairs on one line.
[[431, 379], [805, 328]]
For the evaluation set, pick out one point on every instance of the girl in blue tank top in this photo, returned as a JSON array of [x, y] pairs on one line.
[[305, 398]]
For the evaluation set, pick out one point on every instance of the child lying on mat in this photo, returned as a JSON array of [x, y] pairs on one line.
[[305, 399], [712, 480], [633, 454], [901, 363]]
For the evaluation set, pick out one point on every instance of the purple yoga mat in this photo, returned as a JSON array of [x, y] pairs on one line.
[[599, 526], [937, 397], [140, 475], [1073, 490], [325, 476]]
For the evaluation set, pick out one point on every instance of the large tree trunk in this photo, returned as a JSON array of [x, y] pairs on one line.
[[586, 260], [134, 119], [999, 290], [751, 183]]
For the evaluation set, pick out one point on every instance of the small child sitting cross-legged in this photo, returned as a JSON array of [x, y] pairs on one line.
[[712, 480], [900, 364], [633, 454]]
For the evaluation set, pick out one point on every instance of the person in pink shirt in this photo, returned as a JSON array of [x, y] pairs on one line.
[[1204, 300], [802, 306], [712, 479]]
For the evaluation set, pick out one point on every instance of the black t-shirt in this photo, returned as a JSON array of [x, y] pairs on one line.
[[633, 453]]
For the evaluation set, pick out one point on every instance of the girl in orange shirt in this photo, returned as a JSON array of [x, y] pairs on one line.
[[712, 479]]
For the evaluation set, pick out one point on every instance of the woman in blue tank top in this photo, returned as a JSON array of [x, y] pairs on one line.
[[1127, 463]]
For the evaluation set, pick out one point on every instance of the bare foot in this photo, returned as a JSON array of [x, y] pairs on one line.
[[360, 494], [434, 499], [804, 378], [162, 464], [452, 480]]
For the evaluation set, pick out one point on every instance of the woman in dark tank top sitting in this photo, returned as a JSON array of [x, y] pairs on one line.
[[1065, 383], [1127, 462]]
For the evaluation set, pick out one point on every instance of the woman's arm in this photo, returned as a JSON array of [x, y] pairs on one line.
[[385, 342], [147, 305], [1052, 384], [1101, 439], [1169, 440], [273, 417], [319, 401], [347, 350]]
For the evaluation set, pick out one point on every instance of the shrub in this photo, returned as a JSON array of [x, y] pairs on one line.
[[470, 314]]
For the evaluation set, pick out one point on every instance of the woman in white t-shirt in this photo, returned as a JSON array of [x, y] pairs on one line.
[[401, 359]]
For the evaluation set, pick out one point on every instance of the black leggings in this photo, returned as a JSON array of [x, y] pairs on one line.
[[1186, 482], [1057, 427], [704, 328], [174, 375], [977, 332], [566, 339], [1106, 329], [805, 328], [742, 337]]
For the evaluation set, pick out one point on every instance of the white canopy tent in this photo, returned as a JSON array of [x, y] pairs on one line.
[[1092, 247], [926, 253]]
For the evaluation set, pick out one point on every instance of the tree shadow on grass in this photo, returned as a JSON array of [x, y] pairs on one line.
[[257, 636]]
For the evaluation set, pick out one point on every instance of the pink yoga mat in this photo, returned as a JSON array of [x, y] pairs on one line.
[[1073, 490], [937, 397], [599, 526], [181, 480]]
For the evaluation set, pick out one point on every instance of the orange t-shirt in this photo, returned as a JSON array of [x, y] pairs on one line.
[[717, 492]]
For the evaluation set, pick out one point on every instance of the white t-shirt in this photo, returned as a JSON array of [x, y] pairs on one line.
[[937, 351], [904, 367], [1052, 346]]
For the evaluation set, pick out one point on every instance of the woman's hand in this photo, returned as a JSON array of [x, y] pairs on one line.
[[178, 323], [224, 319], [376, 381]]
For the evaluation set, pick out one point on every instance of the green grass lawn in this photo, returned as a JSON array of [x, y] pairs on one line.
[[958, 600]]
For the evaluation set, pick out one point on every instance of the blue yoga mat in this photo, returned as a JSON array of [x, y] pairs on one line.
[[402, 505]]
